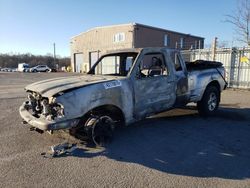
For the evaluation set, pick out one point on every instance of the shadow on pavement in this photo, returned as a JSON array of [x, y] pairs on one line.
[[182, 143]]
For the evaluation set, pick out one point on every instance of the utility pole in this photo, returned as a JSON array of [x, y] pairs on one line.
[[54, 44]]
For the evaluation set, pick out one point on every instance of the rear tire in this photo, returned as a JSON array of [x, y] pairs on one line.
[[209, 102]]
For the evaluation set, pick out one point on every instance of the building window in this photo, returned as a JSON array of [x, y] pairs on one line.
[[119, 37], [166, 40], [181, 42]]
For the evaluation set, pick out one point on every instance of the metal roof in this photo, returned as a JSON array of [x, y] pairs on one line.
[[136, 24]]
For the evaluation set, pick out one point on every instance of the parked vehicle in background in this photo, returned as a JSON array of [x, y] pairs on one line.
[[14, 69], [23, 67], [53, 70], [6, 69], [40, 68], [121, 88]]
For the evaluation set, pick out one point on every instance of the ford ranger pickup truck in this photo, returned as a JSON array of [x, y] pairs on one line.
[[123, 87]]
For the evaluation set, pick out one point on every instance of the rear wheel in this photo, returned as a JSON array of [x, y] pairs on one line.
[[209, 102]]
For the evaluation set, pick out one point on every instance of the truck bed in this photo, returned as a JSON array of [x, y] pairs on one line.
[[201, 65]]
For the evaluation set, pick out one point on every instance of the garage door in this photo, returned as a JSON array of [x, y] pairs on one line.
[[78, 62], [93, 58]]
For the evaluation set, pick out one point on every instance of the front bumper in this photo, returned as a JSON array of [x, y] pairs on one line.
[[44, 124]]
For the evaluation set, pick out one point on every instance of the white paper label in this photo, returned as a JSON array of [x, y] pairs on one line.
[[112, 84]]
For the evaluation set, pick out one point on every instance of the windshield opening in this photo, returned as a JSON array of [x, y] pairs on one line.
[[114, 64]]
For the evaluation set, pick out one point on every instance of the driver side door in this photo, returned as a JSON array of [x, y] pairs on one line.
[[153, 93]]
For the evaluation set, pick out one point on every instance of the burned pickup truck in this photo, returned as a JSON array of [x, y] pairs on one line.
[[121, 88]]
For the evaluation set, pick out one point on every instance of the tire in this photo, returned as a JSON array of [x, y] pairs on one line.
[[34, 70], [209, 102], [100, 129], [47, 70]]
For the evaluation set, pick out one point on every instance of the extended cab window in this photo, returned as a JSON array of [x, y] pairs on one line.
[[176, 60], [152, 65], [114, 64]]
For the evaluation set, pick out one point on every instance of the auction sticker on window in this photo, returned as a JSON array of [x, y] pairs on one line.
[[112, 84]]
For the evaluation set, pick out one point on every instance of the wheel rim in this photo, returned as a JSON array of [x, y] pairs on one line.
[[212, 101], [102, 131]]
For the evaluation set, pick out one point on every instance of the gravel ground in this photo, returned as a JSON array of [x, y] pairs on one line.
[[173, 149]]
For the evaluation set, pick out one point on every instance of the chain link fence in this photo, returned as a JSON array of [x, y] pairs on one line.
[[235, 60]]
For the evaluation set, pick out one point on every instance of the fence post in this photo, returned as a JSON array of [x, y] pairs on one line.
[[232, 68], [239, 67], [214, 46]]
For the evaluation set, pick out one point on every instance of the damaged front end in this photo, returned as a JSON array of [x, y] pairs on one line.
[[45, 113], [43, 107]]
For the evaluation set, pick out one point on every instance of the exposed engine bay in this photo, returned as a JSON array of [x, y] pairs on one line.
[[39, 106]]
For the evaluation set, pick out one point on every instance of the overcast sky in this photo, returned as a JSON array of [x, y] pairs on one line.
[[34, 25]]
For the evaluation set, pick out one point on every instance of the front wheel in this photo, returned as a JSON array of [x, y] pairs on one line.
[[209, 102], [100, 130]]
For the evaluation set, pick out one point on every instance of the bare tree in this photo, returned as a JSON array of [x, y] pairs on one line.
[[241, 20], [223, 44]]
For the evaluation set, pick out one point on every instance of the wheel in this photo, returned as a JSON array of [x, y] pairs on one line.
[[34, 70], [47, 70], [209, 102], [100, 129]]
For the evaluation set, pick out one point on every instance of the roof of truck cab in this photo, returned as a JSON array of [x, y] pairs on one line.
[[129, 50]]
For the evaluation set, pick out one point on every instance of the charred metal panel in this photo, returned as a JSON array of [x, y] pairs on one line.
[[198, 81], [50, 87], [88, 98], [151, 96]]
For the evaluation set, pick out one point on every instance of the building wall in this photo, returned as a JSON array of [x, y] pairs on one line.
[[154, 37], [100, 40]]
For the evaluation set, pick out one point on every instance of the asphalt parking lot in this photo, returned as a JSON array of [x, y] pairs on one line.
[[174, 149]]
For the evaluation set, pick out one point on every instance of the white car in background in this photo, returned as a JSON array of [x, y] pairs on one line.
[[40, 68]]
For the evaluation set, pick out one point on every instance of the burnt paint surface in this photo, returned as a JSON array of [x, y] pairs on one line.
[[137, 98]]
